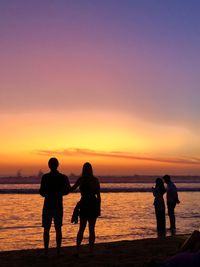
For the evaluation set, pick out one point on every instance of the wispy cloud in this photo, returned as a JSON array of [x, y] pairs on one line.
[[118, 154]]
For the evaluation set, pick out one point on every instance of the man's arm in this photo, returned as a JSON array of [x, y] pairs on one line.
[[67, 186], [176, 198], [175, 194], [42, 189]]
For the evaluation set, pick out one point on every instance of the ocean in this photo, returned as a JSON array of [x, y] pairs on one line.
[[127, 213]]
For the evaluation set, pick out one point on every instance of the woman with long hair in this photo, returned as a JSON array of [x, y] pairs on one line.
[[89, 205], [158, 192]]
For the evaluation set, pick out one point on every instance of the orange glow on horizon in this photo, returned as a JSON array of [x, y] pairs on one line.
[[115, 143]]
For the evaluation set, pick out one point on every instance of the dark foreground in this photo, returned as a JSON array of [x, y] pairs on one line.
[[122, 253]]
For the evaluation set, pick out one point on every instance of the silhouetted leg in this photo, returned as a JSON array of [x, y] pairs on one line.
[[157, 219], [58, 239], [172, 221], [171, 207], [92, 223], [79, 239], [163, 223], [160, 219], [46, 240]]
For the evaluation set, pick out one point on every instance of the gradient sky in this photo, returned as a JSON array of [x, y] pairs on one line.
[[113, 82]]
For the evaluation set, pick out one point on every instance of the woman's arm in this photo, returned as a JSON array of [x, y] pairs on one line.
[[153, 191], [77, 184], [99, 197]]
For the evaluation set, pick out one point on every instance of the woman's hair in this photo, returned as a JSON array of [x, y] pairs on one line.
[[87, 170], [160, 185]]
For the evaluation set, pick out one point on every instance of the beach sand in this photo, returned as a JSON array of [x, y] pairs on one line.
[[122, 253]]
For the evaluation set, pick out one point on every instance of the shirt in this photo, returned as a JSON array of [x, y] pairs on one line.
[[53, 186], [172, 195]]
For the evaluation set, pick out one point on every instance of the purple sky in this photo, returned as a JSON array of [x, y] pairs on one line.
[[136, 59]]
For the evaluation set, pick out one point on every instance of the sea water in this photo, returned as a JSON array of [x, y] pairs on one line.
[[125, 215]]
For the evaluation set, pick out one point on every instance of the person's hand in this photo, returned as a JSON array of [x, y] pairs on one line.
[[99, 213]]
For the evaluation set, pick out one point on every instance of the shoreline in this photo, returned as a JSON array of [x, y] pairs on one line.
[[119, 253]]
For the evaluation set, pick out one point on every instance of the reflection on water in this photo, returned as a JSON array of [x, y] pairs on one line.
[[122, 186], [124, 216]]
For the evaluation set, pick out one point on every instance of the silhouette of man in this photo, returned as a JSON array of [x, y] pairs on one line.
[[172, 200], [53, 186]]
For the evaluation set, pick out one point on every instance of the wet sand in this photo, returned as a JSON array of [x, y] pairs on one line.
[[122, 253]]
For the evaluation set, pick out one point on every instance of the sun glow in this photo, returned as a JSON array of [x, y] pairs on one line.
[[105, 138]]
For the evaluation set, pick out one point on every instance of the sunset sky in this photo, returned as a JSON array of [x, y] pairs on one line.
[[112, 82]]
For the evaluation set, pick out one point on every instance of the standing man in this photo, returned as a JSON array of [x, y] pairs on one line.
[[53, 186], [172, 200]]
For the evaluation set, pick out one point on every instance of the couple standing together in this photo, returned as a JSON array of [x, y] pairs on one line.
[[172, 199], [54, 186]]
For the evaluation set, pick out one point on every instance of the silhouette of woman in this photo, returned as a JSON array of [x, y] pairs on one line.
[[158, 192], [89, 205]]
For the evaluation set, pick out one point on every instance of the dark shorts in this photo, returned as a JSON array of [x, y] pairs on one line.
[[52, 214]]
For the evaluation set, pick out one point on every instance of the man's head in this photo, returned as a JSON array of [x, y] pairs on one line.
[[166, 178], [53, 164]]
